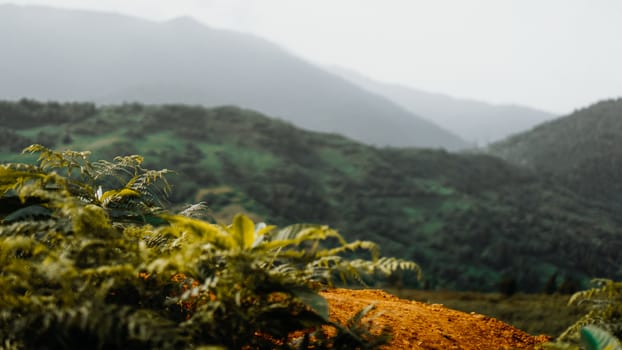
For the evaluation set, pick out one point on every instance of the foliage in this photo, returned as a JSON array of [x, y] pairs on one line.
[[476, 219], [596, 338], [90, 259], [528, 312], [27, 112], [605, 301], [592, 338], [600, 327], [582, 150]]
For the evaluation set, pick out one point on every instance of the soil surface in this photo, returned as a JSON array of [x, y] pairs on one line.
[[416, 325]]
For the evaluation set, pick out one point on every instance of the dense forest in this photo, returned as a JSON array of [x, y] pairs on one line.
[[472, 221], [583, 151]]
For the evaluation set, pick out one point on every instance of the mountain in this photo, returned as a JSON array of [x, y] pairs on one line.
[[477, 122], [54, 54], [582, 150], [472, 221]]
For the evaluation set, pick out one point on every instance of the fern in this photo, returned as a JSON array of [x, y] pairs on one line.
[[606, 309], [98, 263], [596, 338], [603, 318]]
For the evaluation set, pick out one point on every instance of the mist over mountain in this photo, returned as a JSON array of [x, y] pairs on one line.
[[54, 54], [582, 150], [474, 121]]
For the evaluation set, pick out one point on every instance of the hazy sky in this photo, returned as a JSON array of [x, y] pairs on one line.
[[556, 55]]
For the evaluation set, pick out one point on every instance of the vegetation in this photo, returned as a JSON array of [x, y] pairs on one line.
[[591, 319], [596, 338], [472, 221], [583, 151], [529, 312], [601, 327], [592, 338], [91, 260]]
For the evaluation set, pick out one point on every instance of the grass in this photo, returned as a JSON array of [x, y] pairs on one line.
[[210, 158], [343, 163], [533, 313], [159, 140], [256, 160], [435, 187], [431, 226], [33, 132]]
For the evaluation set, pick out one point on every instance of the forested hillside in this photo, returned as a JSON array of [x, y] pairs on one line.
[[472, 221], [582, 151]]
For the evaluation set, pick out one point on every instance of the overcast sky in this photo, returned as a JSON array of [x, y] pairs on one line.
[[555, 55]]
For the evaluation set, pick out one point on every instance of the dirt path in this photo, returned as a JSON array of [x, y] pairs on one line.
[[417, 325]]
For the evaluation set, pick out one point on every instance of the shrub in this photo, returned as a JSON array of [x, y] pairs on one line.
[[90, 259], [603, 321]]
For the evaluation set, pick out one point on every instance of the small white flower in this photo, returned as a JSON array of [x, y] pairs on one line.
[[260, 226]]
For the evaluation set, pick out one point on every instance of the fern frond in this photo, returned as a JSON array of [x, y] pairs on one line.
[[196, 211], [79, 268], [152, 184], [606, 309], [389, 265], [352, 247], [201, 230], [14, 176], [90, 326], [598, 339], [65, 160], [297, 234]]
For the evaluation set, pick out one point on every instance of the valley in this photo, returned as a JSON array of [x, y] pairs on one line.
[[471, 220]]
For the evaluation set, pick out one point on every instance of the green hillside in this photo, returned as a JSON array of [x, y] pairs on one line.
[[471, 221], [582, 150]]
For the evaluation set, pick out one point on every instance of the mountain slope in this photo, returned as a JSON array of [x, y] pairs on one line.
[[474, 121], [77, 55], [582, 150], [472, 221]]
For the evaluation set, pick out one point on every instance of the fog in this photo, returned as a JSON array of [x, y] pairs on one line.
[[556, 55], [68, 55]]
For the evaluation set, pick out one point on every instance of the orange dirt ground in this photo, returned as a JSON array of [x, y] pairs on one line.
[[417, 325]]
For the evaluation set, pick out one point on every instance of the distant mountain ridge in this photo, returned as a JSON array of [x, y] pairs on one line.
[[54, 54], [474, 121]]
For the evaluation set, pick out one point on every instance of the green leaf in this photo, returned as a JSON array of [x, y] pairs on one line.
[[27, 213], [263, 229], [312, 299], [243, 230], [113, 194], [596, 338], [355, 321], [207, 232]]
